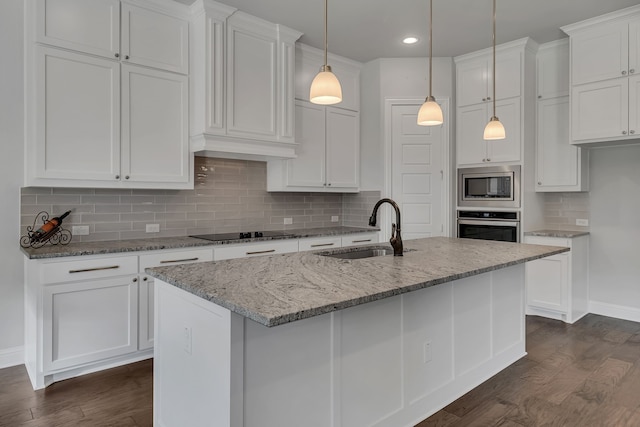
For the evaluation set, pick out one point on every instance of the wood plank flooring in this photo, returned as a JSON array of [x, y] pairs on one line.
[[582, 375]]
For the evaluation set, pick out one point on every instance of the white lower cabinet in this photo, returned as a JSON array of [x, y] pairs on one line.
[[88, 321], [360, 239], [271, 247], [557, 286], [315, 243]]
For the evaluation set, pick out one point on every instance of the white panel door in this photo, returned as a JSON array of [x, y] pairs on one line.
[[308, 168], [155, 139], [251, 81], [343, 148], [634, 105], [599, 53], [508, 149], [154, 39], [472, 82], [556, 159], [78, 116], [91, 321], [508, 76], [600, 110], [416, 165], [548, 282], [470, 147], [90, 26]]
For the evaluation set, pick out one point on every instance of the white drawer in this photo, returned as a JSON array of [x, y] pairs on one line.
[[313, 243], [360, 239], [81, 269], [548, 241], [173, 257], [272, 247]]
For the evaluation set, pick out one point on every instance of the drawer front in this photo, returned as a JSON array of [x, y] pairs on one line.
[[548, 241], [83, 269], [165, 258], [314, 243], [255, 249], [360, 239]]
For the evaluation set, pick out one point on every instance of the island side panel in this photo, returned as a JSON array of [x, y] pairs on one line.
[[197, 361]]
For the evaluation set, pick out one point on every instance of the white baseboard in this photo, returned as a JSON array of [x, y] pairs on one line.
[[612, 310], [11, 356]]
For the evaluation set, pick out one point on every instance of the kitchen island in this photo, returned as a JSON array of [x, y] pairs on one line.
[[313, 340]]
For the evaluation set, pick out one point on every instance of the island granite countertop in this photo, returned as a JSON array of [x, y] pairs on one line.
[[278, 289], [152, 244]]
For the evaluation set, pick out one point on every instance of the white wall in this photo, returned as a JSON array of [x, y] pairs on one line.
[[11, 165], [615, 232], [389, 78]]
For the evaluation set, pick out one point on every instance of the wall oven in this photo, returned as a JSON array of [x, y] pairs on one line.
[[489, 187], [494, 225]]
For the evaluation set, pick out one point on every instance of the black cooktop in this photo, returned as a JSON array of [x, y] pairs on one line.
[[241, 235]]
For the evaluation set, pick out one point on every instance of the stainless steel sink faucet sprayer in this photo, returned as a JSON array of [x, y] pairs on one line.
[[396, 238]]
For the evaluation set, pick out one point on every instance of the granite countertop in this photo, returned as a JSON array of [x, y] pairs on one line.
[[152, 244], [563, 234], [284, 288]]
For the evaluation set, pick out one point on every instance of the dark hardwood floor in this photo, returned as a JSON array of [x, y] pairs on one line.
[[582, 375]]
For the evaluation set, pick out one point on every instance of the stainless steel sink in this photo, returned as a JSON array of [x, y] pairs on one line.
[[362, 253]]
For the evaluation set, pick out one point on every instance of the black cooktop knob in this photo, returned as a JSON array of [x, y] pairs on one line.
[[245, 235], [257, 234]]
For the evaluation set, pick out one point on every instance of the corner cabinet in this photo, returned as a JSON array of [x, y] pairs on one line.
[[242, 84], [605, 78], [327, 137], [558, 286], [107, 95], [514, 65], [560, 166]]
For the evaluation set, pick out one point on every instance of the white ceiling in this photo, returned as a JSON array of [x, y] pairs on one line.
[[368, 29]]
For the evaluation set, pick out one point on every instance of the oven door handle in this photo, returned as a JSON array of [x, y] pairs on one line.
[[489, 222]]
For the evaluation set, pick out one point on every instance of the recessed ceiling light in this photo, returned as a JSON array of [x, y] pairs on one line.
[[410, 40]]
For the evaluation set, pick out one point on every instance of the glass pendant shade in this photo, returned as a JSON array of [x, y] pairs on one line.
[[325, 88], [494, 129], [430, 113]]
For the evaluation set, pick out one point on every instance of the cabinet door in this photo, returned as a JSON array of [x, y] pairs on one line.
[[251, 78], [557, 160], [508, 75], [553, 70], [308, 168], [155, 144], [472, 82], [471, 148], [154, 39], [90, 26], [600, 53], [634, 105], [634, 47], [77, 116], [343, 148], [548, 282], [89, 321], [508, 149], [146, 293], [600, 110]]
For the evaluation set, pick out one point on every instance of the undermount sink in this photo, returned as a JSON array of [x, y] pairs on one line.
[[359, 253]]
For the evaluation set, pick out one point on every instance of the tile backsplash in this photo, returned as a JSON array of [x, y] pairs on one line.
[[562, 209], [228, 196]]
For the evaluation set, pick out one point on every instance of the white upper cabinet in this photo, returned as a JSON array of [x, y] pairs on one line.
[[242, 89], [154, 39], [95, 118], [91, 26], [605, 54], [474, 93], [474, 79], [560, 166]]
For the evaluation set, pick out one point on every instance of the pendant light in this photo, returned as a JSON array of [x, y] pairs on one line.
[[430, 113], [494, 129], [325, 88]]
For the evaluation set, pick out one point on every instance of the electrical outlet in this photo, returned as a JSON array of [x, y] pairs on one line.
[[80, 230], [288, 221], [334, 218], [426, 348], [187, 340], [153, 228], [582, 222]]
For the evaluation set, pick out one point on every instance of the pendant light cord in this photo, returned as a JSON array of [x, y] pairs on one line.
[[326, 44], [431, 43], [494, 58]]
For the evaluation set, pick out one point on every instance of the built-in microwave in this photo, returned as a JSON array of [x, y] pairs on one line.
[[489, 187]]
